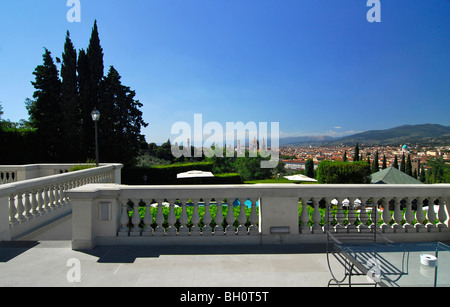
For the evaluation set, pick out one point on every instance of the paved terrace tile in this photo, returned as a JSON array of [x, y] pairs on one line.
[[44, 264]]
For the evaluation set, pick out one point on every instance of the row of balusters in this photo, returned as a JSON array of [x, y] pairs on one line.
[[7, 177], [344, 220], [413, 220], [170, 225], [37, 201]]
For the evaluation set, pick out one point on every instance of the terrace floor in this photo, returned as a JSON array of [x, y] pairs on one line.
[[44, 263]]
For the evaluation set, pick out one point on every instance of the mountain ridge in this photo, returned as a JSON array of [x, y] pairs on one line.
[[419, 133]]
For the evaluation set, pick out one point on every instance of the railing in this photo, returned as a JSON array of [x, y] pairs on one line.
[[252, 214], [27, 205], [14, 173], [8, 174]]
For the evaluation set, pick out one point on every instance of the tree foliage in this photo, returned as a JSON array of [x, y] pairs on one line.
[[343, 172], [45, 111], [61, 109]]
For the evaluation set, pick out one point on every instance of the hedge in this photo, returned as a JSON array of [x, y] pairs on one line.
[[343, 172], [167, 175]]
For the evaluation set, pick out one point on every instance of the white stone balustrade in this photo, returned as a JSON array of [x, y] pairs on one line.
[[177, 218], [29, 204]]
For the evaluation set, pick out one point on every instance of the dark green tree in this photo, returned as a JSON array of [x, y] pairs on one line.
[[90, 74], [356, 154], [250, 168], [384, 166], [309, 168], [344, 158], [1, 112], [119, 133], [69, 103], [408, 167], [375, 163], [422, 175], [403, 164], [395, 164], [45, 110]]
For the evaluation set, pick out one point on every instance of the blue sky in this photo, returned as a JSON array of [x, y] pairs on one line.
[[316, 67]]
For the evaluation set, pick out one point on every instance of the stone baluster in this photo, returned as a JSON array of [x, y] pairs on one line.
[[34, 204], [12, 210], [58, 196], [63, 189], [316, 217], [304, 217], [374, 216], [20, 208], [52, 198], [420, 216], [148, 220], [340, 217], [184, 230], [386, 217], [159, 219], [242, 218], [431, 217], [409, 216], [195, 219], [363, 217], [230, 230], [171, 219], [124, 220], [447, 210], [351, 216], [207, 219], [135, 220], [254, 219], [328, 216], [442, 216], [40, 199], [47, 204], [398, 217], [218, 230], [27, 206]]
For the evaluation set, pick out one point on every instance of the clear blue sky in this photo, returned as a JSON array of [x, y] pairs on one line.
[[316, 67]]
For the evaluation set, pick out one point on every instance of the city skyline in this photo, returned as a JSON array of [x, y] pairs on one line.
[[316, 67]]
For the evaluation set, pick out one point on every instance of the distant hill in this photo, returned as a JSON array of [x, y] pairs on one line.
[[305, 140], [425, 134]]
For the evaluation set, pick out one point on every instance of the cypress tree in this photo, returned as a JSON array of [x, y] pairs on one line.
[[309, 168], [375, 164], [384, 162], [69, 102], [408, 167], [90, 74], [403, 165], [395, 164], [122, 129], [45, 111], [344, 158], [422, 175], [356, 154]]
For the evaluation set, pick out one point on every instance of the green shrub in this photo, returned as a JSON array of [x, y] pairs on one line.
[[343, 172], [161, 174]]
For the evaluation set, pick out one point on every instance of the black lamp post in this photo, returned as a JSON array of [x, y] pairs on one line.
[[96, 117]]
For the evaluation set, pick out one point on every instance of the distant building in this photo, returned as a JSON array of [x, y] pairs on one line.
[[297, 164], [405, 149]]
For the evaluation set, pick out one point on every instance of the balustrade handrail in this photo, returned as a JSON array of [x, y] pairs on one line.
[[115, 213], [6, 189], [328, 191], [27, 205]]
